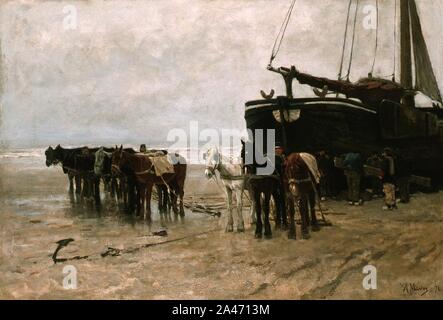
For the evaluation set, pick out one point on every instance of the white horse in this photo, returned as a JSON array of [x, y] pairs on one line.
[[231, 175]]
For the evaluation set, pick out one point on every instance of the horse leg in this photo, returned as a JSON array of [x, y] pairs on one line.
[[239, 200], [282, 209], [314, 223], [105, 184], [173, 195], [141, 196], [279, 216], [90, 191], [267, 200], [181, 194], [121, 192], [113, 187], [258, 224], [71, 183], [168, 201], [252, 208], [90, 188], [177, 189], [131, 195], [147, 196], [291, 207], [303, 205], [160, 196], [168, 204], [230, 224], [84, 188], [97, 190], [78, 184]]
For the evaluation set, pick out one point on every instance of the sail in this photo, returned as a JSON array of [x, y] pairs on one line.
[[424, 74]]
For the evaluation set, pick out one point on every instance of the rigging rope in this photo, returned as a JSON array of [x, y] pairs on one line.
[[281, 33], [353, 41], [395, 42], [344, 41], [376, 39]]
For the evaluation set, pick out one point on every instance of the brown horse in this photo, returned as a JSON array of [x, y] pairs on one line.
[[301, 190], [141, 167]]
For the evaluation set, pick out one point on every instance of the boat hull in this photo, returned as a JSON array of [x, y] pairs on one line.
[[344, 125]]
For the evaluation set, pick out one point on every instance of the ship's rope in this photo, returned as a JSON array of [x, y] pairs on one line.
[[395, 42], [281, 34], [376, 38], [353, 40], [344, 41]]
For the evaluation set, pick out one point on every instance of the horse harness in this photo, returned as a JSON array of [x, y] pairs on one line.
[[298, 181]]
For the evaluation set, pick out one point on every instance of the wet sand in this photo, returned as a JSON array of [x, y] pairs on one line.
[[198, 260]]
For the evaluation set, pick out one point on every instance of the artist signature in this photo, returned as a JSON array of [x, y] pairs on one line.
[[417, 289]]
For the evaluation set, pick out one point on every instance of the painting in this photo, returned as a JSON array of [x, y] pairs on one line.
[[221, 150]]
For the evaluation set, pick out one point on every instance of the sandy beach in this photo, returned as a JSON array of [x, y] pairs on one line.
[[197, 259]]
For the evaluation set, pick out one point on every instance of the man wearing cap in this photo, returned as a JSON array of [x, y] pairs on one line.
[[388, 179], [353, 167]]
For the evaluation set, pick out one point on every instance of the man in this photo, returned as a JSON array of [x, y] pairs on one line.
[[326, 167], [143, 148], [403, 174], [388, 179], [353, 167], [375, 161]]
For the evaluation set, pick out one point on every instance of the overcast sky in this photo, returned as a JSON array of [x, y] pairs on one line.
[[132, 70]]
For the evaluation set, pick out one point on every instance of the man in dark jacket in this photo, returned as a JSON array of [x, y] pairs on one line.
[[388, 179], [326, 167], [403, 174], [353, 167], [375, 161]]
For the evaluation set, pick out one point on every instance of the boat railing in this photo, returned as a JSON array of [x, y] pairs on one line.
[[332, 104]]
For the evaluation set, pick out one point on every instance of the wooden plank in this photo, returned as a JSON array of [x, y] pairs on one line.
[[421, 181]]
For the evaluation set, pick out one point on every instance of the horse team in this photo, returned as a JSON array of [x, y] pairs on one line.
[[130, 177]]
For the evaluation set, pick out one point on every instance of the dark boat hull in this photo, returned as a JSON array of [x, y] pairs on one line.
[[344, 125]]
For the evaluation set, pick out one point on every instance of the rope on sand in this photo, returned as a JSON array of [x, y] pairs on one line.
[[114, 252]]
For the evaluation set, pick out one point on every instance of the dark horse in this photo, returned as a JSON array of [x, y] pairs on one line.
[[78, 163], [301, 190], [140, 166], [66, 157], [121, 186], [266, 186]]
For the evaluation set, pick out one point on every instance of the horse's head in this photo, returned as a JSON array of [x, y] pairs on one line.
[[53, 156], [117, 160], [212, 160], [100, 158], [49, 153], [293, 168]]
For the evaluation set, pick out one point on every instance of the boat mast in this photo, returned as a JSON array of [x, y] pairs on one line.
[[406, 52], [1, 92]]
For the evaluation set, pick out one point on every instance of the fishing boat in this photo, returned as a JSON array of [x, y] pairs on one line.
[[365, 116]]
